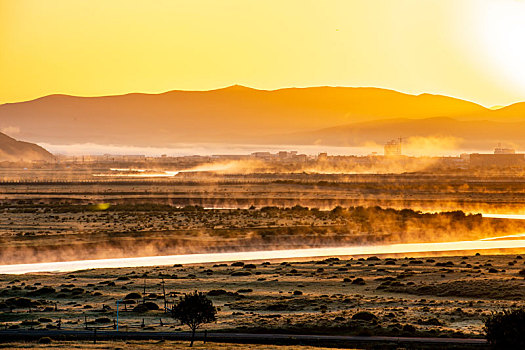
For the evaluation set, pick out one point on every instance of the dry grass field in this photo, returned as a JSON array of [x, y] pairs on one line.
[[438, 296], [427, 295], [143, 345]]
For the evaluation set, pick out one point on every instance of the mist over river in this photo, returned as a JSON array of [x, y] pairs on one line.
[[504, 242]]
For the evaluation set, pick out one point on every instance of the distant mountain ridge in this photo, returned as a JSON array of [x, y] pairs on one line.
[[235, 114], [12, 150], [474, 134]]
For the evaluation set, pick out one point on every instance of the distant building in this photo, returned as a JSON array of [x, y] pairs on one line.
[[116, 158], [301, 157], [282, 154], [261, 154], [230, 156], [393, 147], [500, 160], [465, 157], [501, 150]]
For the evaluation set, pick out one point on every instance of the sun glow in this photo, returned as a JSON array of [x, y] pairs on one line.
[[97, 47], [501, 28]]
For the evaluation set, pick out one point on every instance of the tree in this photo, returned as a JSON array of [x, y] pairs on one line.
[[506, 329], [194, 310]]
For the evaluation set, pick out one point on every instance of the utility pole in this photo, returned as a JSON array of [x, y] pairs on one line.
[[164, 293], [144, 292], [120, 300]]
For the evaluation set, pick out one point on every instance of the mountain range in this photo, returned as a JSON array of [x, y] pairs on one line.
[[238, 114]]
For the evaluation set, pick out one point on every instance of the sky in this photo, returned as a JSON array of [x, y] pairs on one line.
[[470, 49]]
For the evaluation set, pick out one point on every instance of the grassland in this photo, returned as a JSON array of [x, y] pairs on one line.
[[419, 295], [160, 345], [439, 296]]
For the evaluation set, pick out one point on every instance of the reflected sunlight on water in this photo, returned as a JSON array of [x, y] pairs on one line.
[[504, 216], [269, 254]]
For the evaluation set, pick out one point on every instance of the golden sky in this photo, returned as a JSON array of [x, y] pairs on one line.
[[471, 49]]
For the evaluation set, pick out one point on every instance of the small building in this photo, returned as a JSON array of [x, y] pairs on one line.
[[265, 155], [499, 160], [500, 150], [393, 147], [282, 154], [322, 156]]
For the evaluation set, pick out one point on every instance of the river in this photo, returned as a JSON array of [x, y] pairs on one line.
[[404, 248], [501, 242]]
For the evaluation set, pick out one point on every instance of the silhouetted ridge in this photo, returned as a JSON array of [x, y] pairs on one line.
[[233, 114], [14, 151]]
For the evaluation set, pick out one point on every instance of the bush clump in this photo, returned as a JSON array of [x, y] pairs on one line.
[[365, 316], [241, 273], [217, 292], [42, 291], [506, 329], [45, 340], [147, 306], [133, 296], [19, 302]]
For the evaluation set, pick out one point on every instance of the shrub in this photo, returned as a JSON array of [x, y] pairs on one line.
[[506, 329], [77, 291], [358, 281], [364, 315], [145, 307], [409, 329], [45, 340], [42, 291], [133, 296], [243, 290], [19, 302], [241, 273], [415, 262], [217, 292], [103, 320]]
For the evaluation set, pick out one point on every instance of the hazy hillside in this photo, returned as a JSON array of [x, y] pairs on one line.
[[15, 151], [514, 112], [233, 114], [476, 134]]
